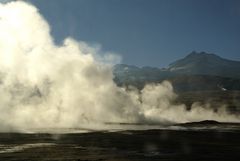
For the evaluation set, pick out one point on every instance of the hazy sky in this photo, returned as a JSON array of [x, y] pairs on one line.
[[148, 32]]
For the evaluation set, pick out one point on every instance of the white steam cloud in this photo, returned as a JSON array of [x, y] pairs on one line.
[[44, 85]]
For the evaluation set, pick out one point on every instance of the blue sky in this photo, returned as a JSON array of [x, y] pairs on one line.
[[148, 32]]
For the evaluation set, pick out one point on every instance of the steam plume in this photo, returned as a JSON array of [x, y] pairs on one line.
[[46, 85]]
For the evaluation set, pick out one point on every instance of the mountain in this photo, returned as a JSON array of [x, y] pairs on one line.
[[198, 77], [196, 71], [206, 64]]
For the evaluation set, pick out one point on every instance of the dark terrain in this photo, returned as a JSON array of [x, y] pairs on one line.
[[171, 145]]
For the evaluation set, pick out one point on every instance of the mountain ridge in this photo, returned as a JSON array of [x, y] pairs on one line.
[[200, 63], [188, 73], [208, 64]]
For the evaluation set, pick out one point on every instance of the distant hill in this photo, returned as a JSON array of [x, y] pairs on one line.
[[206, 64], [199, 77], [197, 71]]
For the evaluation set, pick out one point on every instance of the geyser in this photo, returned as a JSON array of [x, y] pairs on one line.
[[46, 85]]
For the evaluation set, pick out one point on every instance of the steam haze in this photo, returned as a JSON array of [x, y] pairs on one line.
[[45, 85]]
